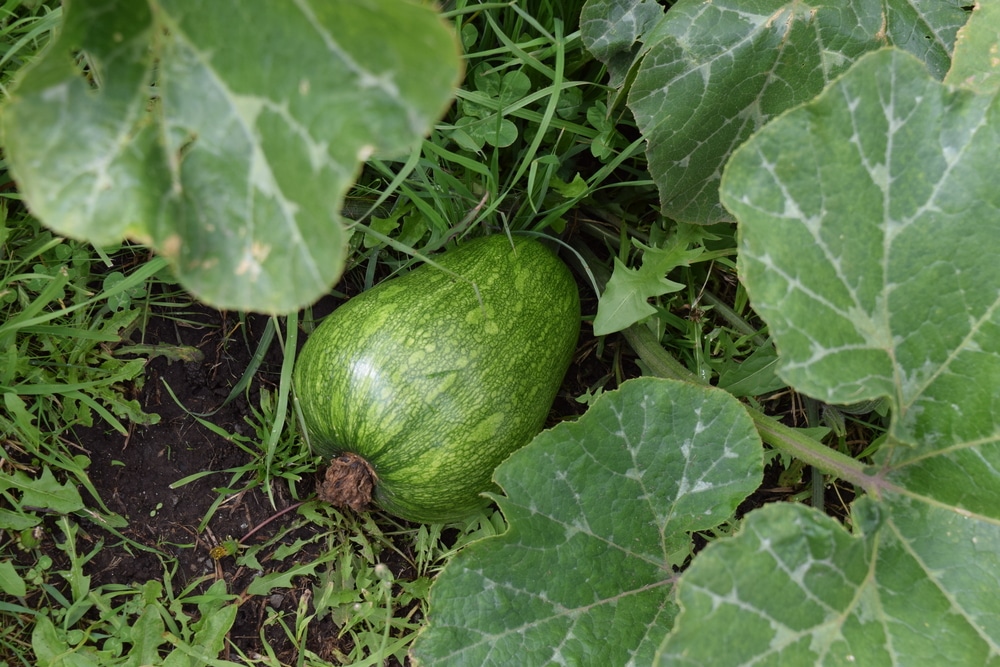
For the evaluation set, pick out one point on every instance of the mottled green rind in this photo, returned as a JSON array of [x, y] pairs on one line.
[[433, 387]]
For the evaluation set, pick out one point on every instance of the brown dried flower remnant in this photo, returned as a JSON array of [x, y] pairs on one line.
[[348, 482]]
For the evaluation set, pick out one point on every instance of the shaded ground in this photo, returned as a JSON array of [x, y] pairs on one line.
[[135, 474]]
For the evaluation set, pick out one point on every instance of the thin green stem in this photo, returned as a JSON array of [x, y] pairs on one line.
[[662, 364], [811, 451], [732, 317], [791, 441], [659, 361]]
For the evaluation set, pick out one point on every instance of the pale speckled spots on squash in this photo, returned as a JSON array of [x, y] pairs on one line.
[[465, 382]]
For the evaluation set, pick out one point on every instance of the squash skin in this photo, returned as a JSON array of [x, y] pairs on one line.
[[435, 388]]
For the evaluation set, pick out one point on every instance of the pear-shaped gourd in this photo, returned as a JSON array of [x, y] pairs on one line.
[[419, 387]]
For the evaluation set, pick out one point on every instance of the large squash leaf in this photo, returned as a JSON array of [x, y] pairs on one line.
[[707, 75], [869, 233], [224, 134], [870, 227], [597, 509]]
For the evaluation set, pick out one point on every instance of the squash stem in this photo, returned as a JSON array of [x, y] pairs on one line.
[[811, 451], [791, 441]]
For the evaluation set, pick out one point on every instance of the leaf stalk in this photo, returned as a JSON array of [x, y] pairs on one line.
[[789, 440]]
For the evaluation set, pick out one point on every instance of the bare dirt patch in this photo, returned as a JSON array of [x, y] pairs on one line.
[[136, 475]]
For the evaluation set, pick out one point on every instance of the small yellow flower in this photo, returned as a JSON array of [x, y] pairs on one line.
[[227, 548]]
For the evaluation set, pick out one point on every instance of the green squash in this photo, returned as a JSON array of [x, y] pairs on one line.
[[419, 387]]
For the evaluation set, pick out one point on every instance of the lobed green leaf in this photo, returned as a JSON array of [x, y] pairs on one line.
[[867, 242], [597, 509]]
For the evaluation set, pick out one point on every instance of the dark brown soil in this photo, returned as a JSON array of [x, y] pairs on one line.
[[136, 476]]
